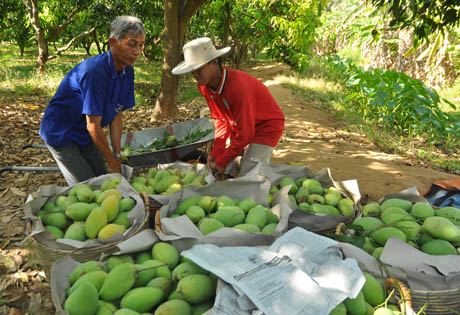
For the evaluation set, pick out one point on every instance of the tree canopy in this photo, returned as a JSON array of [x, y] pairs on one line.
[[425, 16]]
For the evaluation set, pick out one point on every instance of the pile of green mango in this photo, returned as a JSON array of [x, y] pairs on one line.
[[167, 141], [86, 213], [434, 232], [166, 181], [212, 213], [158, 281], [309, 196], [369, 301]]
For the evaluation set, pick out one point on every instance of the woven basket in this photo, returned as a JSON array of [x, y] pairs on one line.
[[157, 221], [439, 302], [47, 255], [333, 229], [399, 286], [154, 209]]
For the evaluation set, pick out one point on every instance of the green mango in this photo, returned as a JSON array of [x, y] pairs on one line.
[[119, 280], [142, 299], [57, 232], [174, 307], [126, 204], [439, 247], [95, 221], [85, 193], [83, 300], [166, 253], [356, 306], [110, 183], [247, 204], [162, 283], [84, 268], [76, 231], [114, 261], [196, 288], [57, 219], [269, 228], [195, 213], [371, 209], [188, 178], [209, 225], [95, 277], [187, 268], [257, 216], [372, 290]]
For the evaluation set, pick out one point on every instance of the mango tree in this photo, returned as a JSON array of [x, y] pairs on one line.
[[285, 28], [14, 25], [49, 19], [425, 16], [177, 14]]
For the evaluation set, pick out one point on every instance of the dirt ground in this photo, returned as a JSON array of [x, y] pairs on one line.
[[312, 137]]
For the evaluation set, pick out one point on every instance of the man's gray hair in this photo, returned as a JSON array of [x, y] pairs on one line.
[[125, 24]]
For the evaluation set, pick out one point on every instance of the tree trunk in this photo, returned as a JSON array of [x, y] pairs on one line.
[[254, 51], [241, 55], [42, 51], [21, 49], [228, 17], [166, 100], [177, 14], [104, 46], [87, 45], [32, 12], [97, 42]]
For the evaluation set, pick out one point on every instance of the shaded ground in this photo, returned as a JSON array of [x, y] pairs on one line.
[[312, 136]]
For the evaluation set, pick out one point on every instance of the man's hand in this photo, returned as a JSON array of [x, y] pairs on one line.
[[215, 168], [220, 169], [210, 161], [115, 165], [93, 125]]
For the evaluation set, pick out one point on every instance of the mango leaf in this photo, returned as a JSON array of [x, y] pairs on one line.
[[412, 50], [435, 47], [351, 96]]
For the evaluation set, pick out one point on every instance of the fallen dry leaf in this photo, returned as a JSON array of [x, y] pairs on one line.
[[4, 243], [6, 219], [35, 303], [18, 191], [21, 276], [14, 311]]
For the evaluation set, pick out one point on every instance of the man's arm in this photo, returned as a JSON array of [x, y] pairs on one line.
[[243, 110], [93, 125], [116, 127]]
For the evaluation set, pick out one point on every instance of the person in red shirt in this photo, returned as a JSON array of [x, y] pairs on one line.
[[246, 116]]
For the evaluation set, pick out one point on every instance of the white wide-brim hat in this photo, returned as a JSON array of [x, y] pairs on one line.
[[197, 53]]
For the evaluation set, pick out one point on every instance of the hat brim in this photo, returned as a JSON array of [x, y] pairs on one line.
[[183, 68]]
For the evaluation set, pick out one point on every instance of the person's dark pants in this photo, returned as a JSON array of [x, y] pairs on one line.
[[78, 163]]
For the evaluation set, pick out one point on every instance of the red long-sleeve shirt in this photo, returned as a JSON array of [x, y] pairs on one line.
[[244, 111]]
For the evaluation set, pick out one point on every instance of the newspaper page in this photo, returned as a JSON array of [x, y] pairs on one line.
[[301, 273]]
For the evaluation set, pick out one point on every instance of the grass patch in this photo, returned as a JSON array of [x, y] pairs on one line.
[[354, 54], [315, 90], [19, 77], [452, 93]]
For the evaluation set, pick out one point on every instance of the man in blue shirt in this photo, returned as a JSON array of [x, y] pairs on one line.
[[92, 95]]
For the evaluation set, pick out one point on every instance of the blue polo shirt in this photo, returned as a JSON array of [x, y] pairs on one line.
[[93, 87]]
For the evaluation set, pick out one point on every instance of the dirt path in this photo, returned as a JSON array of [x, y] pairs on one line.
[[314, 137]]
